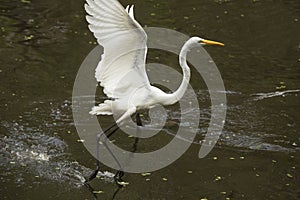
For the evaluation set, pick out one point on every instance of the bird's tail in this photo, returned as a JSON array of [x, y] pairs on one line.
[[102, 108]]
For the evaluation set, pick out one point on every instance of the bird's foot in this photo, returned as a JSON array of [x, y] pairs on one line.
[[92, 176], [118, 179]]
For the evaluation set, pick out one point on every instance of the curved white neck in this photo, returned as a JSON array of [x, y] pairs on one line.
[[178, 94]]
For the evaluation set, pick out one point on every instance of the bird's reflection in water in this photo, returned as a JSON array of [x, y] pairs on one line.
[[95, 193]]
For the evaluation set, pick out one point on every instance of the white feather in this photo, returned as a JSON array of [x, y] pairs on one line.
[[129, 10], [121, 70], [124, 43]]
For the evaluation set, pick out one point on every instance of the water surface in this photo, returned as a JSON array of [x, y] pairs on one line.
[[257, 157]]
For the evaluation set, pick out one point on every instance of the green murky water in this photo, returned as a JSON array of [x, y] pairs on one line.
[[42, 44]]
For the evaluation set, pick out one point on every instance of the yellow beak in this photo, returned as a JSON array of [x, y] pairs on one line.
[[210, 42]]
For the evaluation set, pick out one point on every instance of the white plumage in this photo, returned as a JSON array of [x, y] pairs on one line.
[[121, 70]]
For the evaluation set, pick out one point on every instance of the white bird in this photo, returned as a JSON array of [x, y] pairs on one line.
[[121, 70]]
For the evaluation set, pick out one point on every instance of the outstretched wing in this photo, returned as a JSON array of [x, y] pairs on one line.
[[122, 67]]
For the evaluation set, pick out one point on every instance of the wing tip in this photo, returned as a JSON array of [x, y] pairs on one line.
[[130, 10], [127, 8], [88, 9]]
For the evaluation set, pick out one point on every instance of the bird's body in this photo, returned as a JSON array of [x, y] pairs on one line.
[[121, 70]]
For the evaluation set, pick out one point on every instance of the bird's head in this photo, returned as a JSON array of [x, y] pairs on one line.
[[198, 40]]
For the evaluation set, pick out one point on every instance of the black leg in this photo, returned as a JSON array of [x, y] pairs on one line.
[[138, 119], [138, 123], [134, 148], [120, 173], [118, 176], [99, 136]]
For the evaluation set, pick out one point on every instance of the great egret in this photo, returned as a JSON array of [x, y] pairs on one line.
[[125, 49]]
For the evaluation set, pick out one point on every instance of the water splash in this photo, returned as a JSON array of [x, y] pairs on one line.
[[32, 149], [261, 96]]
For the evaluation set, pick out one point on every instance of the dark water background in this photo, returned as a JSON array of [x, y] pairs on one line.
[[42, 45]]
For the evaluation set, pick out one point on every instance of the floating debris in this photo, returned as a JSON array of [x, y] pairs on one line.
[[25, 1], [218, 178], [242, 157], [98, 192], [29, 37], [164, 179], [280, 87], [215, 158], [289, 175], [123, 183], [231, 158], [189, 172], [146, 174], [147, 179], [80, 141]]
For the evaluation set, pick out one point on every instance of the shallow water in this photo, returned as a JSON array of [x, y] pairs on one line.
[[257, 156]]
